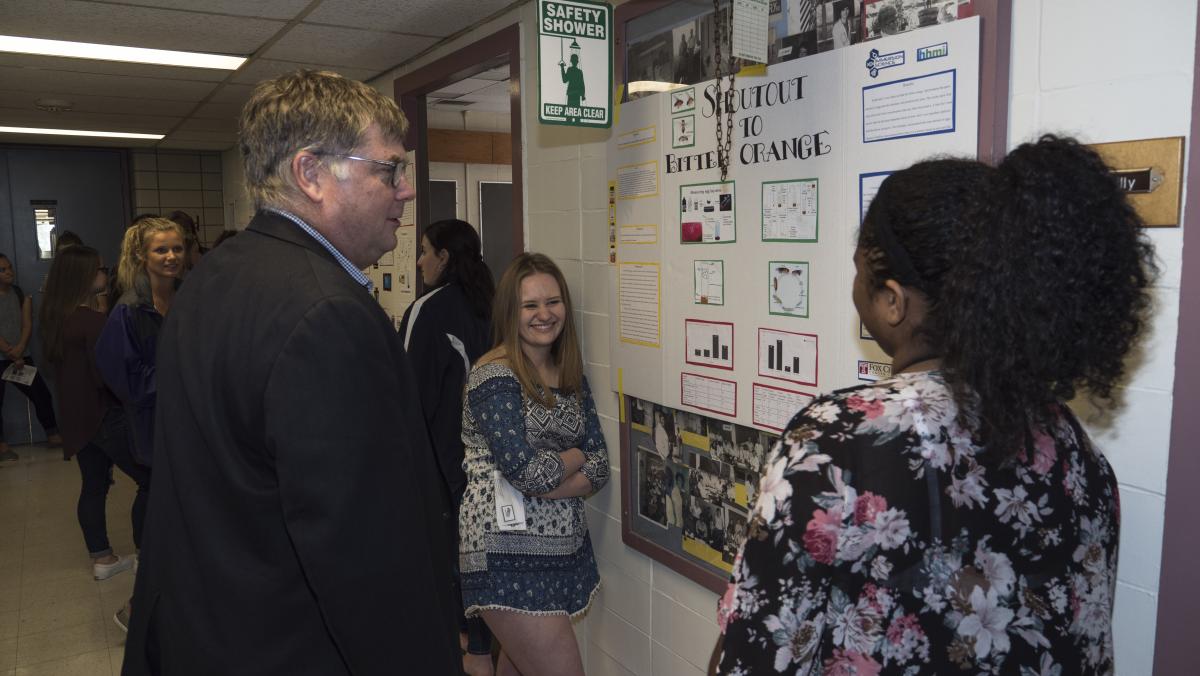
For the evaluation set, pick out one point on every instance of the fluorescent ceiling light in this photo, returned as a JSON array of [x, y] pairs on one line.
[[653, 86], [88, 50], [76, 132]]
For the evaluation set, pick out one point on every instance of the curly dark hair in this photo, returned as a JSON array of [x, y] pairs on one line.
[[465, 266], [1036, 274]]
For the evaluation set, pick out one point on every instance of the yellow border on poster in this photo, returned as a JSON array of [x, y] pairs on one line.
[[653, 137], [621, 393], [639, 225], [657, 180], [695, 440], [707, 554], [658, 303]]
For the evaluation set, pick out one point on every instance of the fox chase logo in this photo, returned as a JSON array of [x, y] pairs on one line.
[[877, 62]]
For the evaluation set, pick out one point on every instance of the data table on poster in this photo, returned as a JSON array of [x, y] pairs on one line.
[[775, 406], [708, 394]]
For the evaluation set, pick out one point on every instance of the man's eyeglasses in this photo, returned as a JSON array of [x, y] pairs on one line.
[[399, 169]]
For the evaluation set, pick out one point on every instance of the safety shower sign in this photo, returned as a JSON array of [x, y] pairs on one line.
[[575, 63]]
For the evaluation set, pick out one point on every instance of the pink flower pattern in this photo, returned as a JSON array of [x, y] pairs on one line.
[[1017, 577]]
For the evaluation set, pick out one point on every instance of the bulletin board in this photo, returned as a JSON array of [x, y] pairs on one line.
[[731, 299]]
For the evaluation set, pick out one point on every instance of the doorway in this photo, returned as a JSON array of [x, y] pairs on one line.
[[464, 110], [86, 191]]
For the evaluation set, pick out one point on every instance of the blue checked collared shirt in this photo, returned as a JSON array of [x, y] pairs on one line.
[[342, 260]]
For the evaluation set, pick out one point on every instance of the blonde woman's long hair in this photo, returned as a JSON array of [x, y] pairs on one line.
[[506, 318], [133, 249]]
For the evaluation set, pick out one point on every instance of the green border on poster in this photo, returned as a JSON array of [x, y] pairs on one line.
[[762, 219], [694, 294], [608, 119], [693, 143], [807, 278], [680, 91], [679, 221]]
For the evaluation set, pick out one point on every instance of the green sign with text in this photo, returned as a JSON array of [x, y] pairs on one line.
[[575, 63]]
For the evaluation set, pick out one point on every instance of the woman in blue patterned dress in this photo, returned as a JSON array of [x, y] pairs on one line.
[[534, 450], [955, 518]]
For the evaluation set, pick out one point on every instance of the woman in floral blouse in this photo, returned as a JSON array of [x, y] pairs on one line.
[[955, 518]]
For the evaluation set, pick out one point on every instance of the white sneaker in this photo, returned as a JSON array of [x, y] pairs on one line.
[[103, 571]]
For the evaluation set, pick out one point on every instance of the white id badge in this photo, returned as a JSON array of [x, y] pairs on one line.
[[510, 505]]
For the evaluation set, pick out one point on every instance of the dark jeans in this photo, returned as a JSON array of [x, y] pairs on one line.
[[96, 460], [36, 392]]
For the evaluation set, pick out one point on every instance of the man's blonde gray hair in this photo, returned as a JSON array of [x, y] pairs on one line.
[[313, 110]]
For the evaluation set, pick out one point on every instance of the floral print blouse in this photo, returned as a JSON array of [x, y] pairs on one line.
[[883, 542]]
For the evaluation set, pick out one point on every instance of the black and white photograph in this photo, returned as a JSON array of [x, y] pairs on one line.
[[675, 487], [650, 60], [838, 24], [797, 30], [720, 440], [735, 533], [693, 423], [637, 412], [664, 433], [750, 481], [890, 17], [652, 495]]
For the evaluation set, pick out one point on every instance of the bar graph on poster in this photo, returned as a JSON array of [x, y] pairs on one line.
[[735, 311]]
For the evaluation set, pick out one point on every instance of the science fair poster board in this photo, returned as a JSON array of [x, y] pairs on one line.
[[738, 312]]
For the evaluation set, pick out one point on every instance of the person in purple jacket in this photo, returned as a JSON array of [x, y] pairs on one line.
[[152, 260]]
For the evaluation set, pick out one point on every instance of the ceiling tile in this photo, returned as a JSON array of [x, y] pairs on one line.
[[216, 111], [15, 98], [139, 124], [498, 73], [53, 64], [236, 94], [136, 26], [264, 69], [228, 126], [188, 144], [421, 17], [265, 9], [103, 85], [353, 47]]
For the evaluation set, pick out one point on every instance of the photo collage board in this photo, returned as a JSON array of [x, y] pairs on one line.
[[697, 481], [684, 53], [731, 295]]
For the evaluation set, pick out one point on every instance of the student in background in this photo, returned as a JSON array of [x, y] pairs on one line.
[[16, 327], [533, 447], [192, 237], [94, 428], [445, 331], [153, 256], [956, 518]]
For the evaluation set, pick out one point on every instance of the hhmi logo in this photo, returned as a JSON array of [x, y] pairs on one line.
[[932, 52]]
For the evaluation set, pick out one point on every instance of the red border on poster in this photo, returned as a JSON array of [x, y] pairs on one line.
[[754, 411], [684, 374], [687, 349], [816, 357]]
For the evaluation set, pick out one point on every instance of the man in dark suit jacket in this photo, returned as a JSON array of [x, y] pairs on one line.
[[295, 520]]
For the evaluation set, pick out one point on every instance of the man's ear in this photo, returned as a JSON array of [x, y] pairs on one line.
[[895, 301], [308, 177]]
